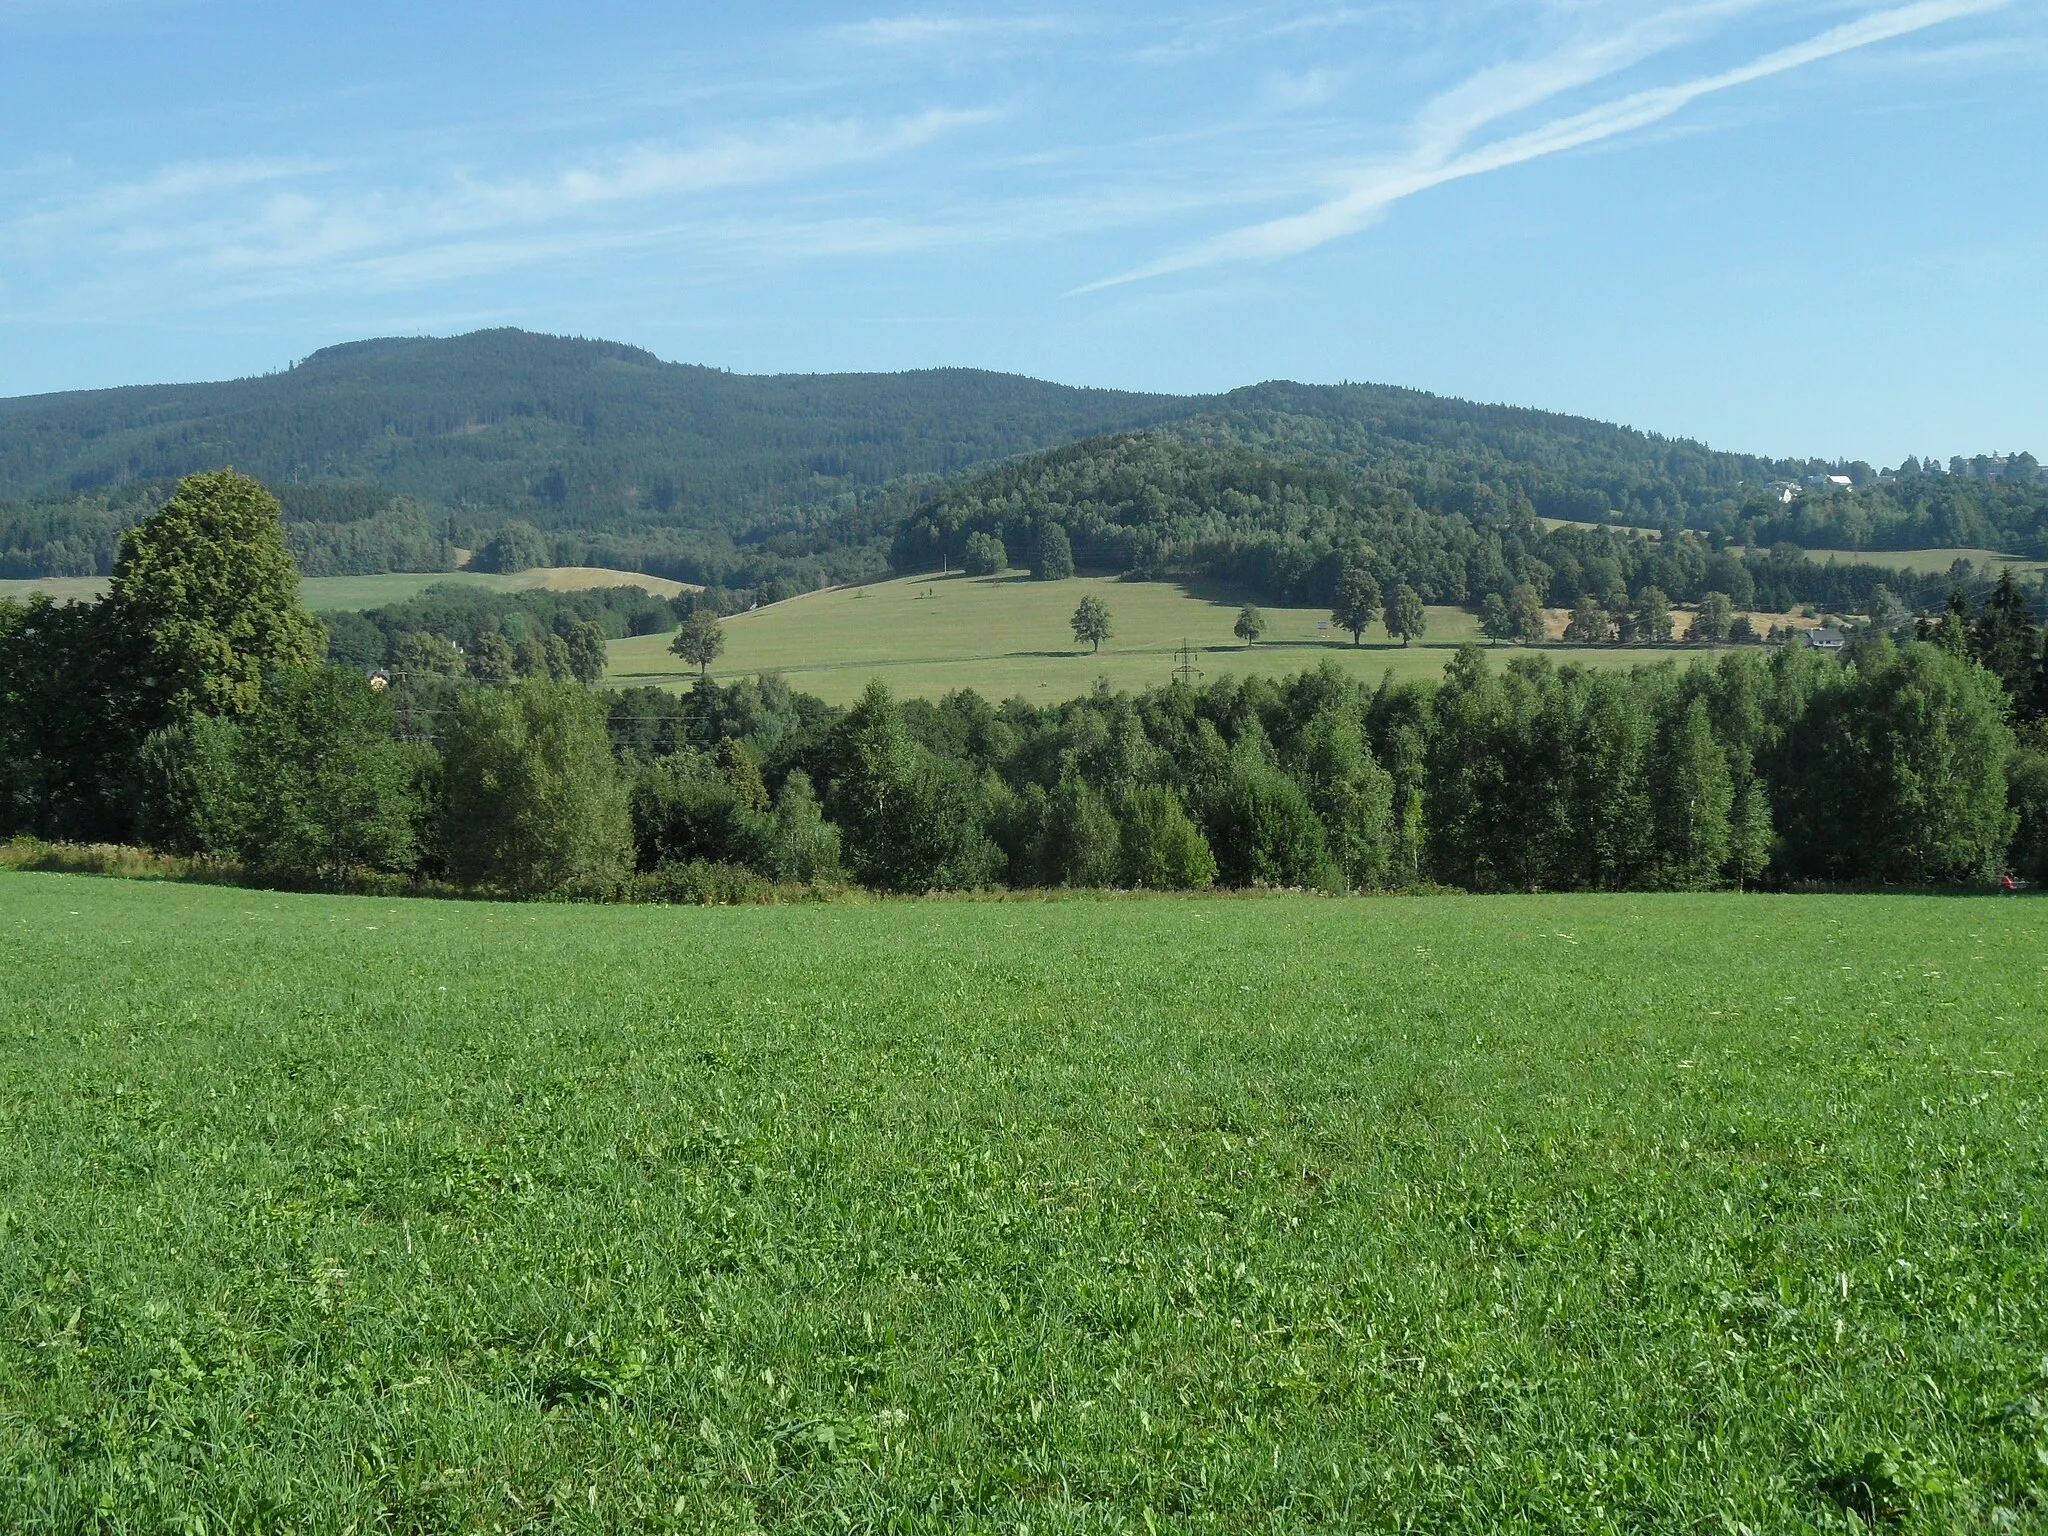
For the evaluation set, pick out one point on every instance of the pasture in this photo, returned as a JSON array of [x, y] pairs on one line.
[[1927, 562], [336, 593], [1208, 1215], [1008, 635]]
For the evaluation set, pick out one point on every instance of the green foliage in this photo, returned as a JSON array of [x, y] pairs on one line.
[[910, 822], [518, 546], [1055, 558], [803, 847], [209, 590], [1161, 847], [1079, 839], [1525, 614], [325, 792], [1495, 622], [1589, 624], [1091, 622], [1250, 624], [1262, 826], [1406, 619], [492, 660], [1692, 793], [2005, 640], [1352, 795], [1750, 834], [188, 782], [1896, 772], [422, 654], [531, 800], [701, 639], [1716, 616], [985, 555], [1357, 601], [1651, 621], [687, 809], [72, 713]]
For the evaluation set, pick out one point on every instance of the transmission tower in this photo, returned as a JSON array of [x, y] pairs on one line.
[[1187, 672]]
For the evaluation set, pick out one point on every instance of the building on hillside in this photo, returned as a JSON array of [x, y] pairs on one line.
[[1825, 639], [1786, 491]]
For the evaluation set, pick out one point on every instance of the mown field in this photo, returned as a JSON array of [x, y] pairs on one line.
[[1577, 1213], [1009, 635], [1926, 562], [334, 593]]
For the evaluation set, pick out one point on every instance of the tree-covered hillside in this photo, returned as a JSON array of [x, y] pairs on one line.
[[392, 454], [1146, 504]]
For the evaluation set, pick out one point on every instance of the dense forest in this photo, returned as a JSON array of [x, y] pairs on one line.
[[394, 454], [1147, 505], [196, 709]]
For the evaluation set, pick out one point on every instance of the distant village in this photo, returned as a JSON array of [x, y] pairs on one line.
[[2023, 467]]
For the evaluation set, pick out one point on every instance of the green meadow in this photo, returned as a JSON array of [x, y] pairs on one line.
[[332, 593], [1926, 562], [1009, 635], [1634, 1213]]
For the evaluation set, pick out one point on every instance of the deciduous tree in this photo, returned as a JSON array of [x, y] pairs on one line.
[[701, 639], [1091, 621], [1358, 602]]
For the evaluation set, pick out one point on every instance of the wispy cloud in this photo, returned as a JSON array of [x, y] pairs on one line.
[[300, 221], [941, 30], [1442, 131]]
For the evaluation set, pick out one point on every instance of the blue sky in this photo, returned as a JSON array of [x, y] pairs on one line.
[[1811, 226]]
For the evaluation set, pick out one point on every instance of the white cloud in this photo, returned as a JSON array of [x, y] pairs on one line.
[[1444, 127], [298, 221]]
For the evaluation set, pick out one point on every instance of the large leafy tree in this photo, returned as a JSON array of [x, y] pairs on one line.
[[912, 822], [532, 801], [1715, 618], [1692, 794], [1406, 617], [1250, 624], [1055, 560], [1091, 621], [1898, 772], [701, 639], [210, 594], [325, 790], [1358, 602]]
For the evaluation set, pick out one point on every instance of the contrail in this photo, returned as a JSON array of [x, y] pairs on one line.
[[1366, 202]]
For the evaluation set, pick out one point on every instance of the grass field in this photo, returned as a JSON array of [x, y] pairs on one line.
[[1927, 561], [1634, 1214], [1008, 635], [360, 592]]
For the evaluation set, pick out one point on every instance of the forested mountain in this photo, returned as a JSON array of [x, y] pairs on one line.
[[392, 454]]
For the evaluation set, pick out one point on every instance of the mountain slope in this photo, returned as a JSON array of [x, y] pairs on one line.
[[575, 431], [389, 455]]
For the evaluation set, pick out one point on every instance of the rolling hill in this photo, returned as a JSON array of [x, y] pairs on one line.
[[391, 455]]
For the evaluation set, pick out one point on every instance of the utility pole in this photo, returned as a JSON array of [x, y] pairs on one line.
[[1187, 672]]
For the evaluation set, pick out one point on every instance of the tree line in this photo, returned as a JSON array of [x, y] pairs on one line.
[[191, 710]]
